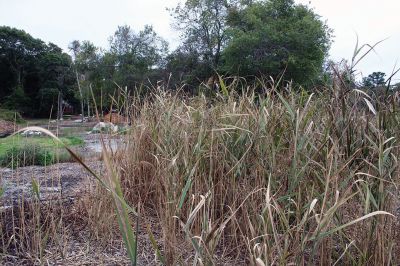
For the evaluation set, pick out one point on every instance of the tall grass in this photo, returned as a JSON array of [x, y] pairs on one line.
[[282, 177], [261, 175]]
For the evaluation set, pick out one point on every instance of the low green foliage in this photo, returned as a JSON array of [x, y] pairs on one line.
[[72, 140], [11, 116], [16, 151], [24, 155]]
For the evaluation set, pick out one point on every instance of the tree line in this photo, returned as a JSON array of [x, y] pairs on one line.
[[274, 38]]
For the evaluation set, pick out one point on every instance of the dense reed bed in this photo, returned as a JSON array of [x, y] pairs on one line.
[[263, 175], [278, 177]]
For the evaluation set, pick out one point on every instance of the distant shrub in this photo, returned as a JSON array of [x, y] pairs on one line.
[[31, 154], [9, 115], [73, 140]]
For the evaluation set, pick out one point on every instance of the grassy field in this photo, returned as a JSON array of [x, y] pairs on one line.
[[46, 142], [17, 150]]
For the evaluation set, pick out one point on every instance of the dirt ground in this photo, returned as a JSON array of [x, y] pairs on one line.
[[6, 128], [65, 179]]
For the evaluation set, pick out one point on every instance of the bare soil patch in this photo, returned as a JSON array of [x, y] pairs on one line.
[[65, 180]]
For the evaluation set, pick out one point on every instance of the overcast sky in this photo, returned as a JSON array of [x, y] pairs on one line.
[[61, 21]]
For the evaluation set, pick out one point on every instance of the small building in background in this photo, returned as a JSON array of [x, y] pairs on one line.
[[67, 108]]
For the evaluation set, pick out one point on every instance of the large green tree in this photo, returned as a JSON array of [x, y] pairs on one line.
[[87, 63], [32, 73], [202, 24], [185, 66], [275, 38], [204, 35], [135, 55], [375, 79]]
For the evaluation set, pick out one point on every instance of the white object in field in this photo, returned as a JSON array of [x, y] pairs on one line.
[[31, 133], [85, 119], [105, 127]]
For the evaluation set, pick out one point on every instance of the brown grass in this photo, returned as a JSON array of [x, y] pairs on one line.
[[279, 177]]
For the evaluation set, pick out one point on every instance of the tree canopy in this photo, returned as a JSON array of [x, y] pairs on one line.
[[135, 54], [375, 79], [275, 38], [32, 73], [203, 27]]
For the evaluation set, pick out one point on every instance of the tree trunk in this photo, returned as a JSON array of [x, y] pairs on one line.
[[88, 106], [60, 107], [80, 94]]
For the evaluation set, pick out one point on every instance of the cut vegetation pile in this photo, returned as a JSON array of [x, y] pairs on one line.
[[8, 122], [11, 116], [6, 128]]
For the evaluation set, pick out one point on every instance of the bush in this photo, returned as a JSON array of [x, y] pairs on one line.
[[25, 155], [73, 140], [11, 116]]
